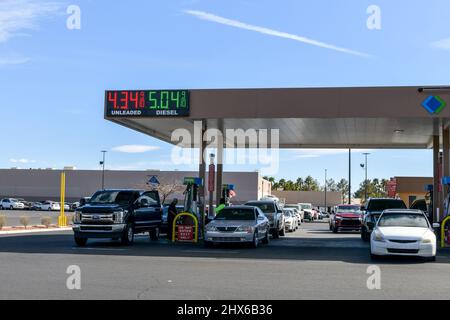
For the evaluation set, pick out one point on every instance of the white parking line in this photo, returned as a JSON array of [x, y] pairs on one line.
[[98, 249], [211, 251]]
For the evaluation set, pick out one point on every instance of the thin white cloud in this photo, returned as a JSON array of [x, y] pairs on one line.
[[242, 25], [13, 61], [135, 148], [19, 15], [442, 44], [316, 153], [22, 161]]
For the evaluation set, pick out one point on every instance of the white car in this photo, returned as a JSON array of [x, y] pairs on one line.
[[403, 232], [290, 218], [11, 204], [50, 206]]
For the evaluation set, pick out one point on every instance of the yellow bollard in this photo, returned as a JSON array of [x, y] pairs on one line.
[[62, 219], [443, 231]]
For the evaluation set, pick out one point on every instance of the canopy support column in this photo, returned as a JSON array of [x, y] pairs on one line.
[[436, 170]]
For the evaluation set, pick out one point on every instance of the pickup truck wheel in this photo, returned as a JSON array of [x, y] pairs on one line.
[[282, 232], [81, 242], [128, 235], [154, 234]]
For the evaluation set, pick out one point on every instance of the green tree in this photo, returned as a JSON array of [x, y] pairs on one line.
[[342, 187]]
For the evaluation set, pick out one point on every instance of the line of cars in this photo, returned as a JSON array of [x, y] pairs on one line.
[[48, 205], [120, 214], [391, 228]]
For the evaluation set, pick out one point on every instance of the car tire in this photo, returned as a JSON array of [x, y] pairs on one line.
[[335, 230], [208, 244], [128, 235], [154, 234], [276, 234], [255, 242], [81, 242], [266, 239], [364, 235], [282, 232], [431, 259], [374, 257]]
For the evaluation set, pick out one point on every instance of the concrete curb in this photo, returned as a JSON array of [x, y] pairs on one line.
[[34, 231]]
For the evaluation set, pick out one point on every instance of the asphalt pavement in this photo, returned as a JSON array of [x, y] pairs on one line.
[[312, 263]]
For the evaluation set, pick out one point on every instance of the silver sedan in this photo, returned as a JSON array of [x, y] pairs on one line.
[[238, 224]]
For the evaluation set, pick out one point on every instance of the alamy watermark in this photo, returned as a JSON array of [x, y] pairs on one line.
[[251, 146], [374, 19], [73, 282], [374, 280], [73, 21]]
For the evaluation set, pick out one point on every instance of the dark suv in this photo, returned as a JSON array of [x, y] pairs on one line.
[[118, 215], [372, 212]]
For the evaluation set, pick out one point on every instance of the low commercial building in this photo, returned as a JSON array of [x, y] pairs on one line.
[[409, 189], [39, 185]]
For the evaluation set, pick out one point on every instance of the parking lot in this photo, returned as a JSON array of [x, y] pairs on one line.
[[312, 263]]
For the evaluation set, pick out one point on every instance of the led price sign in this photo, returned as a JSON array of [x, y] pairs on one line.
[[147, 103]]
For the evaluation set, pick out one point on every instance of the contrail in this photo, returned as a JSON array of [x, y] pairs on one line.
[[241, 25]]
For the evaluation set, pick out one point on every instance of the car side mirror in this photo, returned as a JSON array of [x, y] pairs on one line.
[[280, 211], [371, 225], [260, 218], [436, 225]]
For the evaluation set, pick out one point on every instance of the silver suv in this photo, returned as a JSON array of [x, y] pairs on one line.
[[275, 215]]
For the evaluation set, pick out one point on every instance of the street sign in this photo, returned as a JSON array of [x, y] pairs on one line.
[[153, 181]]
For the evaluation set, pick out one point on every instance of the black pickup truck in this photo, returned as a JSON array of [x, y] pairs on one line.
[[118, 215]]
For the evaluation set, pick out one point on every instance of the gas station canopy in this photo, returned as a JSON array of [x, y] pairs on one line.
[[375, 117]]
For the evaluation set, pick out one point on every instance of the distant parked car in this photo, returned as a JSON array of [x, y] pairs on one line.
[[36, 206], [26, 204], [50, 206], [298, 208], [308, 212], [11, 204], [290, 220]]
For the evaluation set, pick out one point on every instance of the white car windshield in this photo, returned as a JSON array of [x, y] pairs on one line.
[[408, 220], [306, 206]]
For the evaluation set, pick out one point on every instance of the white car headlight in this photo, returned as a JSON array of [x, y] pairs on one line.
[[429, 238], [378, 236], [247, 229]]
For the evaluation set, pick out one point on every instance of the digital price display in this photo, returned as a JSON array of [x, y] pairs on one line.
[[147, 103]]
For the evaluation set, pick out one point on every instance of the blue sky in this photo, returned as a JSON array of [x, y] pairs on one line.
[[52, 79]]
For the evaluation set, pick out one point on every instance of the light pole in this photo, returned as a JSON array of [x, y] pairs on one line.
[[365, 181], [102, 163], [326, 172]]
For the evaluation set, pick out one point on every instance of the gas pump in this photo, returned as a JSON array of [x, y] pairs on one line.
[[186, 225], [191, 197], [445, 230]]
